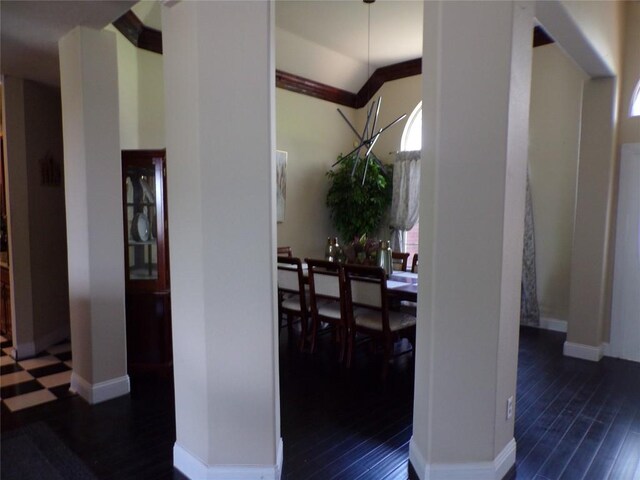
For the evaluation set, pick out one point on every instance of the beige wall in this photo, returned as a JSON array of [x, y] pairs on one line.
[[313, 134], [398, 97], [602, 23], [36, 217], [554, 134], [141, 101], [150, 100], [630, 127]]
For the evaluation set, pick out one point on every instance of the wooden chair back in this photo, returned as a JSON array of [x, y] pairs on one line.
[[291, 281], [399, 260], [366, 286], [325, 280], [285, 252], [414, 263], [291, 278], [326, 292]]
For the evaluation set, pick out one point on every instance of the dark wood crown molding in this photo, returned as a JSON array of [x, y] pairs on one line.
[[151, 39], [540, 37], [305, 86], [138, 33], [386, 74]]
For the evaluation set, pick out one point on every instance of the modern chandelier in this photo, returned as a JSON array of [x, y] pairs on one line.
[[369, 136]]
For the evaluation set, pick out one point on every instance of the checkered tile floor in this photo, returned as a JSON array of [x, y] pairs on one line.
[[34, 381]]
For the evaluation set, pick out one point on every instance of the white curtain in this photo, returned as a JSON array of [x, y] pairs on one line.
[[406, 195]]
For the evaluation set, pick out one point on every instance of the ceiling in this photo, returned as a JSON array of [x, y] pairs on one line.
[[327, 41], [341, 29], [30, 30]]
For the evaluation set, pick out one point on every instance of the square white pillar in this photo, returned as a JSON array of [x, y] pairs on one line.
[[219, 91], [93, 192], [477, 74]]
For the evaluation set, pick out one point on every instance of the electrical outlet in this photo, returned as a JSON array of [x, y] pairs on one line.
[[509, 407]]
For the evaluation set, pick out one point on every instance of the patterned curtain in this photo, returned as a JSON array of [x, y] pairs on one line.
[[529, 310], [405, 198]]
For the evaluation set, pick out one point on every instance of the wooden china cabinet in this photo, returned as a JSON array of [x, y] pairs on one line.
[[5, 281], [146, 240]]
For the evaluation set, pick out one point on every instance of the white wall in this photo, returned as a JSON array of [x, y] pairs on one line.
[[554, 135], [313, 134]]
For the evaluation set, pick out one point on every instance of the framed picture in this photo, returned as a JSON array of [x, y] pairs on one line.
[[281, 184]]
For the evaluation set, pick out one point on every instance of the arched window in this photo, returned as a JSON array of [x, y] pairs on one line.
[[412, 140], [412, 134], [634, 110]]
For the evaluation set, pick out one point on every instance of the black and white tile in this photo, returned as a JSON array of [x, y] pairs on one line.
[[38, 380]]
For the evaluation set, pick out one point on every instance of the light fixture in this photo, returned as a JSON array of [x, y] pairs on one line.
[[369, 137]]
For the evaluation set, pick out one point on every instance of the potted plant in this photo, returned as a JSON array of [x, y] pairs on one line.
[[357, 208]]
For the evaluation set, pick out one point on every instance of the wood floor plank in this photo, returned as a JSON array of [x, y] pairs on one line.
[[586, 450], [610, 447], [574, 419]]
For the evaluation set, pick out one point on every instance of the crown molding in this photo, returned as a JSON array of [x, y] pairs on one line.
[[386, 74], [305, 86], [151, 39], [540, 37], [138, 33]]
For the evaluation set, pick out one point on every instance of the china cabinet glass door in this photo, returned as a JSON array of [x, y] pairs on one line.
[[142, 221]]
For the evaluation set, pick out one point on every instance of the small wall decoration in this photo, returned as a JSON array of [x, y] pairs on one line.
[[281, 184], [50, 171]]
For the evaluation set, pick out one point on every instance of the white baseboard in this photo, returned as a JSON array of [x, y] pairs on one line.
[[102, 391], [553, 324], [491, 470], [584, 352], [195, 469], [606, 349]]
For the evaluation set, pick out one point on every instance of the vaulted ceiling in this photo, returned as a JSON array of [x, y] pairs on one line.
[[338, 43]]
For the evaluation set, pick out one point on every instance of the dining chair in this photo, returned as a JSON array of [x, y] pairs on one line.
[[414, 263], [292, 295], [368, 311], [285, 252], [399, 260], [326, 293]]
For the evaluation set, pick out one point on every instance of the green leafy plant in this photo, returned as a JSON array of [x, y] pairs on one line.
[[357, 209]]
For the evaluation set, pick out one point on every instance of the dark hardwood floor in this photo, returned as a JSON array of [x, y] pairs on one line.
[[574, 419]]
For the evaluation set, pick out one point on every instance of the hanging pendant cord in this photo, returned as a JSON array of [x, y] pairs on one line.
[[368, 48]]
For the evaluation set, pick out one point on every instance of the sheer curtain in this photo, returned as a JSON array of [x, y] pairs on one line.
[[405, 199], [529, 310]]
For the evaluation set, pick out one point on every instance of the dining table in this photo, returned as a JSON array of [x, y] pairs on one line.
[[401, 285]]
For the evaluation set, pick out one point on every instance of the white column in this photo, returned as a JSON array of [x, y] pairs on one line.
[[93, 192], [219, 92], [477, 74]]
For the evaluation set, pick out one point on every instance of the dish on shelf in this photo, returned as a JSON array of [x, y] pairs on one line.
[[129, 190], [140, 227], [147, 192]]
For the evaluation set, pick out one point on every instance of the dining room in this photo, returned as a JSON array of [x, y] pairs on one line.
[[261, 391]]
